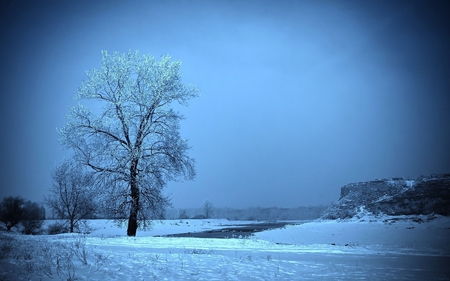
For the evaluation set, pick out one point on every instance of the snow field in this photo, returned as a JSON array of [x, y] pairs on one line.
[[321, 250]]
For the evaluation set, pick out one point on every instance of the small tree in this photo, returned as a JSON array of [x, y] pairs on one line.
[[183, 214], [11, 211], [33, 217], [72, 196], [208, 209], [132, 140]]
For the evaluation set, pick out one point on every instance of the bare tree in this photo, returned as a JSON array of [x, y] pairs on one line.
[[133, 142], [208, 209], [11, 211], [72, 194], [33, 217]]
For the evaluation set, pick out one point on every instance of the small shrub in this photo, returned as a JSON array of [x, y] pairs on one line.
[[78, 247], [83, 227], [64, 266], [32, 227], [57, 228], [198, 252]]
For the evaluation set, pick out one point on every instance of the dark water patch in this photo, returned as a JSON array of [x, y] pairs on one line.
[[233, 231]]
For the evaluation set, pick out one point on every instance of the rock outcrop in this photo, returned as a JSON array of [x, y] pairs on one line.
[[423, 196]]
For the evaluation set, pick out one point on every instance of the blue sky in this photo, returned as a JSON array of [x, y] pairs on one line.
[[297, 97]]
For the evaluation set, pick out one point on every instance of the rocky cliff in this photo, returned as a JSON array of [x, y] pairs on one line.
[[425, 195]]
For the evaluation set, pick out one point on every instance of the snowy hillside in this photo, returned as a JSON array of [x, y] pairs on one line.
[[320, 250], [426, 195]]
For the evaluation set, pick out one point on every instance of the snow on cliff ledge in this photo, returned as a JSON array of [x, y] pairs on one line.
[[426, 195]]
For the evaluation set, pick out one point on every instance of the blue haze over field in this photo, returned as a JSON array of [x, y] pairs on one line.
[[297, 97]]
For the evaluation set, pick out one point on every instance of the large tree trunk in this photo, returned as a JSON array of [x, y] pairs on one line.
[[132, 221]]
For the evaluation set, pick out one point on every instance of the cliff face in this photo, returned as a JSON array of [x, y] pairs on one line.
[[424, 196]]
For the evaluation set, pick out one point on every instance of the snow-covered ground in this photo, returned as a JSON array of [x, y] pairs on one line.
[[360, 249]]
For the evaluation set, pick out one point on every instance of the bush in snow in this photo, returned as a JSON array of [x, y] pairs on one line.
[[57, 228]]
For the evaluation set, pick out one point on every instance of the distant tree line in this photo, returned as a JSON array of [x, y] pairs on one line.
[[251, 213]]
